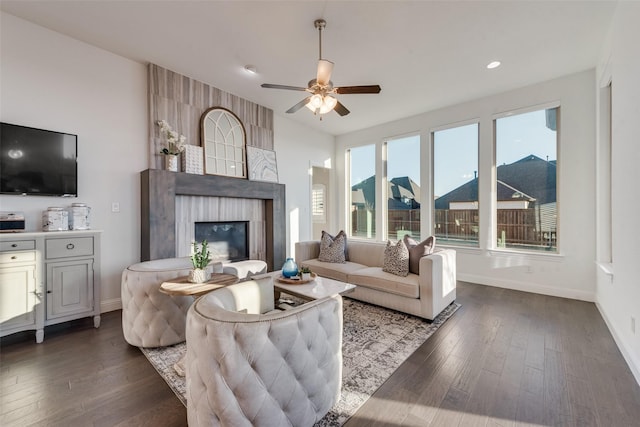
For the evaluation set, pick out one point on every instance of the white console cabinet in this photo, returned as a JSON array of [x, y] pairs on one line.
[[48, 278]]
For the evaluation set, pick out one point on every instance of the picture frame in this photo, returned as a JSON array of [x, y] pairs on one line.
[[262, 164]]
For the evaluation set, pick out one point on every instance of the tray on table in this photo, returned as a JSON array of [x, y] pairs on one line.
[[298, 281]]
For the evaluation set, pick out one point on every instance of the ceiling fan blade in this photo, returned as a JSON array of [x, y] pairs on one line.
[[271, 86], [299, 105], [324, 72], [341, 109], [343, 90]]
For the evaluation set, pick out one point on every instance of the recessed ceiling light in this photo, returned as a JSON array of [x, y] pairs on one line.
[[494, 64], [251, 69]]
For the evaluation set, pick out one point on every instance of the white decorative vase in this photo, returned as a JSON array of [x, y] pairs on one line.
[[306, 276], [171, 162], [198, 275]]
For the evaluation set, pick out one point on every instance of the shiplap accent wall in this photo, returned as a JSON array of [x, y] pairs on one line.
[[181, 101], [190, 209]]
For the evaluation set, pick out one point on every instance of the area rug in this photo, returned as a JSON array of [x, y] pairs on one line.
[[375, 342]]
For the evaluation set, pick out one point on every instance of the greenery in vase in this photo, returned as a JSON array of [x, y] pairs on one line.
[[304, 270], [175, 141], [201, 256]]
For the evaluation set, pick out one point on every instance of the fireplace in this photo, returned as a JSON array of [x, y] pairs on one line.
[[228, 240], [161, 229]]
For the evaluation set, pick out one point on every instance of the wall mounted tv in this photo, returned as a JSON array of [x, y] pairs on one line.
[[38, 162]]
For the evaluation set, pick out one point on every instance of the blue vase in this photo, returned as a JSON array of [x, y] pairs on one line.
[[289, 268]]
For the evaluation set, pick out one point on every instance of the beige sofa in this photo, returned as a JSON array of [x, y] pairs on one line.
[[424, 295]]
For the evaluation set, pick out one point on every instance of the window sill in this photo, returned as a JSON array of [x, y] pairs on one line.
[[504, 253], [543, 256]]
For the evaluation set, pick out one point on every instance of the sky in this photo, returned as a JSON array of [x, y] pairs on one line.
[[456, 151]]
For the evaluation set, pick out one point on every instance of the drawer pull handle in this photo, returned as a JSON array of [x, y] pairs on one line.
[[70, 246], [14, 257], [15, 245]]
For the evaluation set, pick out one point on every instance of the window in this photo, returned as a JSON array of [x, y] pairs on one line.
[[362, 182], [317, 203], [526, 173], [403, 187], [455, 185]]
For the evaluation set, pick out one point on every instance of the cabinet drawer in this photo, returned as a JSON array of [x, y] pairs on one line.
[[15, 257], [17, 245], [63, 248]]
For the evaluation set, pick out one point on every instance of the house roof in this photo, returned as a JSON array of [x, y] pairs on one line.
[[530, 178], [403, 193]]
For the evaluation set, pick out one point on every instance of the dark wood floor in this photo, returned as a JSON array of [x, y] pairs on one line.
[[505, 358]]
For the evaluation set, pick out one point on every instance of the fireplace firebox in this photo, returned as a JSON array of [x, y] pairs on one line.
[[228, 240]]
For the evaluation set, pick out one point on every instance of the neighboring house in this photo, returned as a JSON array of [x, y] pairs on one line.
[[526, 193], [403, 204]]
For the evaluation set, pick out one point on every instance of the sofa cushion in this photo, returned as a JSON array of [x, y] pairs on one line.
[[396, 258], [333, 249], [418, 250], [375, 278], [332, 270]]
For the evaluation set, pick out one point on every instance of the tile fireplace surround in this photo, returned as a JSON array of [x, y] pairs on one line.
[[158, 192]]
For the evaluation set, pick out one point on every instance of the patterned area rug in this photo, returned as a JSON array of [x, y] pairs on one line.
[[375, 342]]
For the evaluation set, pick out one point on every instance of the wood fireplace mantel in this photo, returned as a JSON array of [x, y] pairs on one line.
[[158, 191]]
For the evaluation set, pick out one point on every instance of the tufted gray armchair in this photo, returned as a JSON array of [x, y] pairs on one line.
[[149, 317], [247, 368]]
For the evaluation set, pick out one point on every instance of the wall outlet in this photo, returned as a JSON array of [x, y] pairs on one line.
[[633, 324], [115, 207]]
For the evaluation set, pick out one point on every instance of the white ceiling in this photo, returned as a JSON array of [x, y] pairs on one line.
[[424, 54]]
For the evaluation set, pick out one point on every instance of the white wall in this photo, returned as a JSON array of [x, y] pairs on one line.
[[571, 272], [618, 296], [51, 81], [297, 149]]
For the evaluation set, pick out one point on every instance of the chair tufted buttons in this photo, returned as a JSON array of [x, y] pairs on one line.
[[245, 371]]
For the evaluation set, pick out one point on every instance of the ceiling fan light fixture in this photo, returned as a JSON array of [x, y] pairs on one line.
[[315, 102], [328, 104], [321, 104]]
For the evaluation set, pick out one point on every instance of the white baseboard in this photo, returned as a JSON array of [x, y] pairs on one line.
[[110, 305], [634, 364], [528, 287]]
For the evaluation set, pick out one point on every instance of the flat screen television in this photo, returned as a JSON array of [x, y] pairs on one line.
[[38, 162]]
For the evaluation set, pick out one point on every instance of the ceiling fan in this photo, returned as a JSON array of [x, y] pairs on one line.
[[321, 100]]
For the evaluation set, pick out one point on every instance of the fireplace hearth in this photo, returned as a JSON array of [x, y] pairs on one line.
[[228, 240]]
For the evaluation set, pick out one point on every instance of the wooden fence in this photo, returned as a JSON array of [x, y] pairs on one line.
[[516, 227]]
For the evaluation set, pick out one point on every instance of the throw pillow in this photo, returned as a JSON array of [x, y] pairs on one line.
[[418, 250], [396, 258], [332, 249]]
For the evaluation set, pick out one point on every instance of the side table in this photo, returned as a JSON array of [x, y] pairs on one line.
[[181, 286]]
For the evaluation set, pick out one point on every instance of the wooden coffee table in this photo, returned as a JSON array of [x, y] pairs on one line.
[[181, 286]]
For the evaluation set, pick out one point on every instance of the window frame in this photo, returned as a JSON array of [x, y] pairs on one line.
[[385, 180], [349, 193], [493, 246], [478, 122]]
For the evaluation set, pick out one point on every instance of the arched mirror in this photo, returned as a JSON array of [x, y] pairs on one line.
[[224, 143]]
